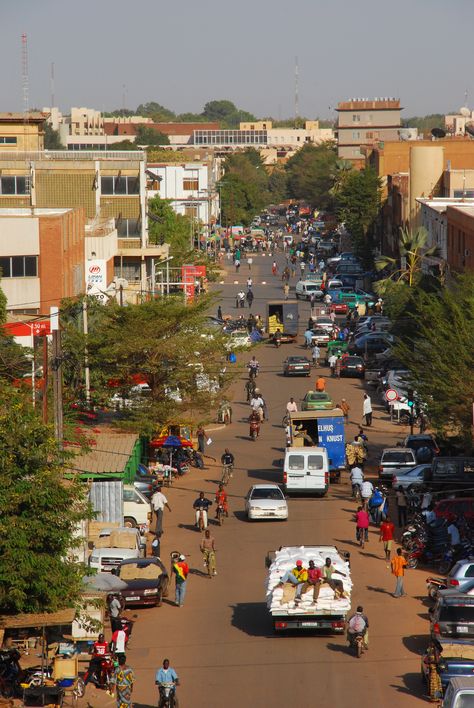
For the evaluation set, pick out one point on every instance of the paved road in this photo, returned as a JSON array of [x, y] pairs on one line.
[[221, 641]]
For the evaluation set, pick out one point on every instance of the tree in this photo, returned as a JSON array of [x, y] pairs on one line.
[[425, 123], [226, 113], [412, 249], [149, 136], [166, 226], [39, 513], [439, 353], [277, 184], [124, 145], [155, 111], [244, 187], [310, 174], [52, 139], [358, 204]]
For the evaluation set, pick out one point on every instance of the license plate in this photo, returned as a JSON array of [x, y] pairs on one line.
[[310, 624], [462, 630], [298, 368], [130, 599], [271, 513]]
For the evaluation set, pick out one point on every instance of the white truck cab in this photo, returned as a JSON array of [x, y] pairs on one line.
[[115, 545], [136, 509]]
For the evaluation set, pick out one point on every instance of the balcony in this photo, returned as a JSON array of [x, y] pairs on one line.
[[132, 247]]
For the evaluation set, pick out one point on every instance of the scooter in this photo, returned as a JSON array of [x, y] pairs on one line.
[[434, 585], [254, 429], [102, 677], [356, 642], [167, 695]]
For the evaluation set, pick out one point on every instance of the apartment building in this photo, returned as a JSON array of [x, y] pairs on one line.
[[106, 185], [434, 218], [366, 122], [20, 131]]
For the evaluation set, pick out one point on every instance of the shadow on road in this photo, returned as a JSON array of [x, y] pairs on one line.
[[199, 573], [416, 643], [252, 618], [189, 527], [266, 475], [347, 543], [384, 591], [370, 555], [341, 648], [240, 515], [412, 684]]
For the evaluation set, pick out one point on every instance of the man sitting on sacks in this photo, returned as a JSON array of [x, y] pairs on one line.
[[298, 576]]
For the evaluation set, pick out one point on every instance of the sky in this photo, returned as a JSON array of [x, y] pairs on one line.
[[183, 53]]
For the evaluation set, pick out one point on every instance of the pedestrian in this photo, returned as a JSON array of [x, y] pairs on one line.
[[332, 316], [123, 680], [117, 642], [401, 507], [249, 298], [366, 491], [312, 300], [208, 550], [237, 265], [431, 661], [337, 368], [387, 530], [240, 299], [274, 268], [219, 313], [362, 525], [249, 283], [308, 339], [320, 384], [302, 267], [316, 353], [398, 570], [249, 263], [158, 502], [367, 410], [286, 290], [201, 438], [345, 408], [181, 571], [115, 609], [332, 361]]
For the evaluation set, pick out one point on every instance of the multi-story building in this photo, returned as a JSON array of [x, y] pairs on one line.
[[455, 124], [461, 238], [20, 131], [434, 218], [107, 185], [364, 122]]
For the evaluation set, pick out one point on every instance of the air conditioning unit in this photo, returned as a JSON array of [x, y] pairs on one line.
[[467, 253]]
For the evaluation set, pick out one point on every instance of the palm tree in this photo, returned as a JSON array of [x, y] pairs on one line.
[[412, 247]]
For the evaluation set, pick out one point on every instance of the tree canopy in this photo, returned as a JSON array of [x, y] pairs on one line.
[[148, 136], [166, 226], [244, 187], [39, 513], [52, 139], [310, 174], [358, 201]]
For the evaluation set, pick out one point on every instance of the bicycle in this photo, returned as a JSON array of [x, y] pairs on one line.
[[285, 420], [227, 470]]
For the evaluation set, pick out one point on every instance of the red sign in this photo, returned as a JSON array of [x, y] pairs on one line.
[[391, 395], [38, 328]]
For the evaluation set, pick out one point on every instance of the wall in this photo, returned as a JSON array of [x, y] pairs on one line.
[[461, 238], [19, 236]]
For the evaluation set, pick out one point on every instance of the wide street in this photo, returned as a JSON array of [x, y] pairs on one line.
[[221, 642]]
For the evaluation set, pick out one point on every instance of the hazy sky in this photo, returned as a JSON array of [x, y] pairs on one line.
[[182, 53]]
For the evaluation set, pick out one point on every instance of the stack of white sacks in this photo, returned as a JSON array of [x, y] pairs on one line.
[[285, 560]]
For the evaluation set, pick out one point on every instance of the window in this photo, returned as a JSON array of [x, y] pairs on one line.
[[119, 185], [355, 135], [191, 210], [356, 118], [127, 228], [315, 462], [466, 193], [295, 462], [191, 180], [14, 185], [7, 140], [369, 135], [19, 266]]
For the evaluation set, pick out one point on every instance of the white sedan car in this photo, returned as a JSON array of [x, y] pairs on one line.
[[266, 501]]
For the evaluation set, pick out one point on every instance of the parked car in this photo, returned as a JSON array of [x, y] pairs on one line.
[[238, 339], [372, 342], [457, 659], [266, 501], [333, 285], [296, 366], [461, 575], [459, 506], [395, 460], [115, 545], [410, 479], [351, 268], [306, 288], [337, 347], [352, 366], [136, 509], [459, 693], [453, 617], [317, 401], [339, 307], [147, 581], [324, 323], [424, 440], [321, 336]]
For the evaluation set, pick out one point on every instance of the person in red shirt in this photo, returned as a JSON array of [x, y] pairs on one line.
[[99, 649], [221, 500], [362, 526], [387, 530], [315, 578]]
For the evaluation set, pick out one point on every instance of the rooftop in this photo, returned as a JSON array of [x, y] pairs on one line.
[[441, 204], [33, 117], [366, 104], [74, 155]]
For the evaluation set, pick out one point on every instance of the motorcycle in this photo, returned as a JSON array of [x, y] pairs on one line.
[[220, 514], [421, 554], [356, 492], [356, 642], [254, 429], [434, 585], [167, 695], [101, 677], [195, 459]]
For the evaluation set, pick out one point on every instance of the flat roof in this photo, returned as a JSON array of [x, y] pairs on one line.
[[35, 211], [33, 117]]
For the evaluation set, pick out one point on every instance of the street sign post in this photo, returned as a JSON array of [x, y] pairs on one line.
[[391, 395]]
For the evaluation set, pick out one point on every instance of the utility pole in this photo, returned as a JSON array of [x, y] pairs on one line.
[[87, 373], [45, 379], [56, 364]]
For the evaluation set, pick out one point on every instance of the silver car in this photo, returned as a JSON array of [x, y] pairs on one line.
[[395, 460], [266, 501], [410, 479]]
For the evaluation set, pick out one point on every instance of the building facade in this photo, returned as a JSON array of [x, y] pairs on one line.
[[461, 238], [19, 131], [363, 122]]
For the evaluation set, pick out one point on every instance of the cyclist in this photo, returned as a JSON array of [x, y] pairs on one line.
[[227, 460], [227, 457], [253, 367]]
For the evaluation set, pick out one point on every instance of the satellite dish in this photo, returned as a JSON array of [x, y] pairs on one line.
[[121, 282], [469, 128], [438, 133], [464, 111]]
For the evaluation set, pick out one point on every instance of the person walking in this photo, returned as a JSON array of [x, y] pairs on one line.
[[332, 361], [249, 298], [201, 438], [316, 353], [208, 550], [274, 268], [362, 526], [401, 507], [367, 410], [286, 290], [123, 679], [387, 530], [320, 384], [219, 313], [115, 610], [158, 502], [345, 408], [249, 283], [399, 564], [240, 300], [181, 571]]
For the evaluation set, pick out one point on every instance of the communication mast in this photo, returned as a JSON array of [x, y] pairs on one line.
[[24, 75], [297, 99]]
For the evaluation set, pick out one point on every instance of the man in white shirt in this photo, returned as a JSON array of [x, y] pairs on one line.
[[366, 491], [357, 477], [454, 536], [332, 361], [291, 406], [367, 410], [316, 354], [158, 502], [257, 404]]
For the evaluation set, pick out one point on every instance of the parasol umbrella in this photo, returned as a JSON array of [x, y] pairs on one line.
[[171, 442], [103, 582]]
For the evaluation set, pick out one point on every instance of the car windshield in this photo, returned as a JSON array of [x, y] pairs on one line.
[[297, 360], [457, 613], [317, 397], [416, 443], [397, 457], [352, 361], [267, 493]]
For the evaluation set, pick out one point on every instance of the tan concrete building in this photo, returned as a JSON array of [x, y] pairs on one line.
[[22, 132], [461, 238], [364, 122]]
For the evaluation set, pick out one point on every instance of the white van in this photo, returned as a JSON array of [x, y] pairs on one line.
[[136, 509], [306, 470], [305, 288]]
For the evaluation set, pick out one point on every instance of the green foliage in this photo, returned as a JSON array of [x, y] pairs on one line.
[[310, 174], [165, 340], [155, 111], [52, 140], [38, 513], [148, 136], [244, 187], [425, 123], [277, 184], [226, 113], [412, 248], [439, 352], [119, 113], [166, 226], [358, 204], [124, 145]]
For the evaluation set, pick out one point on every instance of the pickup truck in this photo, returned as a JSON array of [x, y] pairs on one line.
[[115, 545], [327, 614]]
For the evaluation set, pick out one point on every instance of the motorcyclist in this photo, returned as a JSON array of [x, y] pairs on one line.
[[277, 337], [166, 676], [253, 367], [358, 625], [100, 648], [357, 478], [201, 504], [254, 421], [221, 500], [257, 405]]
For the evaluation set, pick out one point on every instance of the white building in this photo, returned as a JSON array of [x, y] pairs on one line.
[[435, 220]]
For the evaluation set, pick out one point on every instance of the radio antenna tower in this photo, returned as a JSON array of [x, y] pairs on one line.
[[24, 75], [297, 100], [52, 84]]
